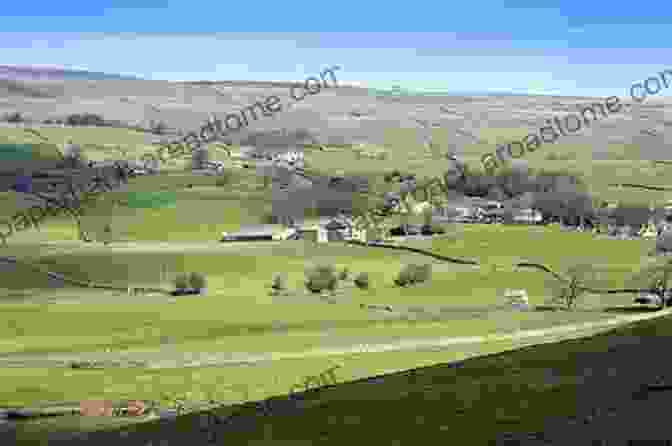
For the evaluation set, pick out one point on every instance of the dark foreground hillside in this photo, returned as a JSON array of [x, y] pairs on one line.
[[607, 389]]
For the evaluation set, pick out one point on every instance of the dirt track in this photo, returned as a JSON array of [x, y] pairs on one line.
[[169, 358]]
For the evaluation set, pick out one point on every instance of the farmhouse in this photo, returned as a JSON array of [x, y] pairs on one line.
[[330, 229], [259, 233], [322, 230]]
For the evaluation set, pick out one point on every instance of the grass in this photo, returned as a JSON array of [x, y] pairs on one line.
[[238, 315], [478, 401], [242, 327]]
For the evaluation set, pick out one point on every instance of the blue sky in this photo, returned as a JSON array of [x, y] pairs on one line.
[[594, 48]]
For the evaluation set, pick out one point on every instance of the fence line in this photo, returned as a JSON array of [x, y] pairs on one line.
[[82, 283]]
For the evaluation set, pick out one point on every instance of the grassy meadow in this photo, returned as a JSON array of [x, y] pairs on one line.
[[239, 316]]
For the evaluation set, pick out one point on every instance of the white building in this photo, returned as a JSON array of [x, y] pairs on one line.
[[290, 157]]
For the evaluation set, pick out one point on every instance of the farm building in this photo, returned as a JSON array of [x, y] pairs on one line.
[[330, 229], [322, 230], [259, 233]]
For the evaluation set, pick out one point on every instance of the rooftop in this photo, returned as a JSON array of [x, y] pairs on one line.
[[257, 230]]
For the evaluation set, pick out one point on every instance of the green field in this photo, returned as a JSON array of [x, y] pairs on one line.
[[152, 244]]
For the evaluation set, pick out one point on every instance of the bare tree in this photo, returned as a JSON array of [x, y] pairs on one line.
[[569, 287]]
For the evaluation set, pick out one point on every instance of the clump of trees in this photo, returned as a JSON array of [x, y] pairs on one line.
[[321, 278], [89, 119], [14, 117], [158, 127], [192, 283], [413, 274], [279, 285], [574, 283], [362, 281], [561, 195], [344, 274]]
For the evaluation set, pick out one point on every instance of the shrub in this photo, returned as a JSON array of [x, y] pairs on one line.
[[423, 273], [158, 128], [362, 281], [197, 281], [181, 282], [85, 119], [344, 274], [413, 274], [405, 276], [320, 278], [279, 282]]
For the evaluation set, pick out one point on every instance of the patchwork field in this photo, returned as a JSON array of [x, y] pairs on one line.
[[238, 334]]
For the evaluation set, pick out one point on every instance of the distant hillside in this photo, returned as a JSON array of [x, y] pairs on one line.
[[23, 73]]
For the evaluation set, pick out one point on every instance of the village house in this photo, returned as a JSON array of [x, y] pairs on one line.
[[331, 229], [321, 230], [259, 233]]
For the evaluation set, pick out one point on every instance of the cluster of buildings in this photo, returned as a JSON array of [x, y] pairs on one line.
[[320, 230]]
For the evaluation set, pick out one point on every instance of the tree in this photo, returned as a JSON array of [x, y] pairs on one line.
[[321, 278], [572, 285], [405, 276], [197, 282], [413, 274], [279, 283], [371, 224], [344, 274], [181, 283], [423, 273], [14, 117], [362, 281], [158, 128], [91, 119]]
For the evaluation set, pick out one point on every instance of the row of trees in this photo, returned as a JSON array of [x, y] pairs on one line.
[[322, 278], [77, 119], [578, 280], [86, 119], [558, 195], [327, 278]]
